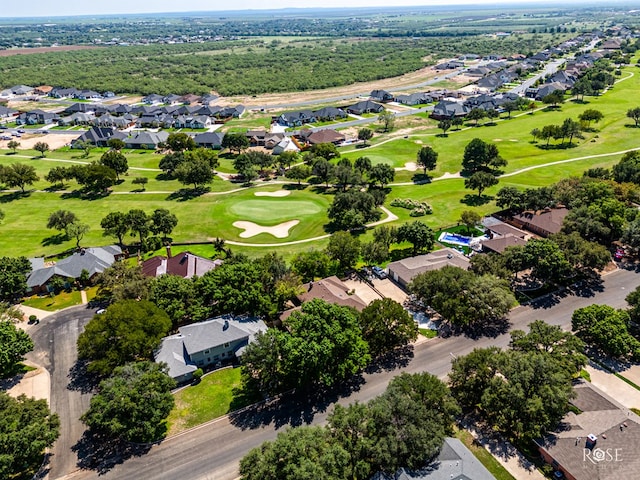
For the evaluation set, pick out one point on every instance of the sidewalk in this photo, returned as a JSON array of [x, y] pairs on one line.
[[508, 456], [36, 383]]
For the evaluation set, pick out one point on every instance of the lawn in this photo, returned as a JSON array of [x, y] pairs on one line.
[[213, 397], [62, 300], [481, 453]]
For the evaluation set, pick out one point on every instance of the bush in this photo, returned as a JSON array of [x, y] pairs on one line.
[[418, 209], [33, 319], [197, 375]]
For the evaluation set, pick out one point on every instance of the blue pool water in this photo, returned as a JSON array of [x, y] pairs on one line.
[[455, 239]]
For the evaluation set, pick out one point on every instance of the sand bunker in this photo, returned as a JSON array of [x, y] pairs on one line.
[[252, 229], [278, 193], [409, 166]]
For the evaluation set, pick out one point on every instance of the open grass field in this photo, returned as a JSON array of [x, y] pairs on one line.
[[212, 215]]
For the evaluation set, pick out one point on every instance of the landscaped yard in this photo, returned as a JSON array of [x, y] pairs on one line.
[[62, 300], [481, 453], [211, 398]]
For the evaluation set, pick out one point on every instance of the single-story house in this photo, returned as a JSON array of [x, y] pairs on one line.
[[296, 119], [327, 135], [329, 113], [77, 118], [202, 344], [454, 462], [189, 98], [60, 92], [99, 136], [332, 290], [171, 98], [414, 98], [153, 98], [93, 260], [22, 90], [548, 88], [36, 117], [207, 99], [449, 109], [146, 140], [543, 223], [601, 442], [271, 140], [366, 106], [209, 140], [499, 244], [7, 112], [405, 270], [184, 264], [43, 90], [87, 95], [450, 65], [381, 96]]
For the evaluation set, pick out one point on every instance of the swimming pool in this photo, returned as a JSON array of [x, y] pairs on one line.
[[455, 239]]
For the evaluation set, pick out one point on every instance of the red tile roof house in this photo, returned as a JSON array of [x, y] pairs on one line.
[[184, 264]]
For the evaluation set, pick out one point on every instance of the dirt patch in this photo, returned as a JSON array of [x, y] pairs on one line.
[[54, 140], [252, 229], [412, 78], [29, 51]]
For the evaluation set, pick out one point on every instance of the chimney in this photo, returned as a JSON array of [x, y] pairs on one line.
[[226, 325], [168, 251]]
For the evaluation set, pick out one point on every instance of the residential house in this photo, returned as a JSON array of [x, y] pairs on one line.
[[7, 112], [208, 110], [172, 98], [121, 109], [43, 90], [564, 78], [78, 108], [449, 109], [209, 140], [405, 270], [498, 244], [329, 114], [366, 106], [287, 144], [611, 44], [202, 344], [184, 264], [60, 92], [77, 118], [324, 136], [36, 117], [450, 65], [153, 98], [381, 96], [109, 120], [454, 462], [414, 98], [600, 439], [230, 112], [21, 90], [93, 260], [207, 99], [87, 95], [256, 137], [296, 119], [189, 98], [98, 136], [543, 223], [548, 88], [478, 71], [272, 139], [146, 140]]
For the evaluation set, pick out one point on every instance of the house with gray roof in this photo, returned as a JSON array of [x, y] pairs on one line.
[[405, 270], [146, 140], [449, 109], [454, 462], [414, 98], [209, 140], [21, 90], [200, 345], [366, 106], [93, 260]]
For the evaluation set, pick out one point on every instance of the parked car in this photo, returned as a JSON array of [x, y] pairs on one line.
[[5, 137], [379, 272], [21, 130]]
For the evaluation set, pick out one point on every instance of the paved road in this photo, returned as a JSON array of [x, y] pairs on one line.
[[55, 349], [212, 451], [549, 69]]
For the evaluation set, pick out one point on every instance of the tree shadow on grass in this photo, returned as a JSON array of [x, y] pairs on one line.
[[80, 379], [294, 186], [421, 178], [397, 358], [472, 200], [11, 196], [56, 239], [559, 146], [89, 195], [185, 194], [294, 408], [631, 125], [100, 453]]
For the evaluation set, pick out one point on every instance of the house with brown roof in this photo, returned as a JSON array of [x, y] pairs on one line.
[[499, 244], [43, 90], [324, 136], [405, 270], [543, 223], [184, 264], [601, 441]]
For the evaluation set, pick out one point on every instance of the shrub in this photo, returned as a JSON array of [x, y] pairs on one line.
[[197, 375], [418, 209]]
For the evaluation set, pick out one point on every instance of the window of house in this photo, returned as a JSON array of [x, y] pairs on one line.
[[206, 352], [226, 345]]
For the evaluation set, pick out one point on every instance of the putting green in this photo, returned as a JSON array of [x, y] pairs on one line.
[[273, 210]]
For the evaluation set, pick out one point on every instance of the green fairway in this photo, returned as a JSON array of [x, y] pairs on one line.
[[270, 212]]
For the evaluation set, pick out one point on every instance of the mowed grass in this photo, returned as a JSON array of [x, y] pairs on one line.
[[58, 302], [485, 457], [210, 399]]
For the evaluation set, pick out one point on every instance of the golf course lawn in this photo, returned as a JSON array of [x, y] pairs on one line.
[[212, 215]]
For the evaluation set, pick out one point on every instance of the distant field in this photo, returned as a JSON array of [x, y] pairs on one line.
[[29, 51]]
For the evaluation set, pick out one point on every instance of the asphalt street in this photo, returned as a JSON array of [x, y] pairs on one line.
[[212, 451], [55, 349]]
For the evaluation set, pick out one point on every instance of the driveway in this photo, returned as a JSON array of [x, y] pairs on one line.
[[390, 290]]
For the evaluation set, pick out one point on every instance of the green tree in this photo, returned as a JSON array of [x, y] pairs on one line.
[[352, 210], [325, 150], [96, 177], [85, 146], [139, 224], [481, 156], [61, 220], [470, 376], [427, 158], [444, 125], [509, 107], [41, 147], [628, 168], [387, 119], [590, 115], [386, 325], [13, 145], [362, 165], [116, 161], [323, 170], [509, 198], [344, 249], [57, 175], [563, 346], [116, 144], [170, 162], [197, 172], [418, 234], [381, 173], [123, 282], [302, 453], [374, 252], [606, 328], [142, 181], [264, 369], [352, 428], [553, 98], [13, 277], [133, 403], [287, 158], [163, 221], [19, 175], [476, 114], [311, 264], [27, 428], [298, 172], [480, 181], [365, 134], [115, 224], [235, 141], [14, 344], [582, 254], [470, 218], [546, 260], [634, 114], [570, 128], [180, 142], [128, 331], [77, 230], [178, 297]]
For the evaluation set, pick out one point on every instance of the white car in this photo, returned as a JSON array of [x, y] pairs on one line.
[[101, 311]]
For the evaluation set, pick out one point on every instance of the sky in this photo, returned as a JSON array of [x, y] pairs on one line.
[[40, 8]]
